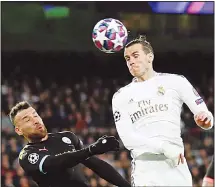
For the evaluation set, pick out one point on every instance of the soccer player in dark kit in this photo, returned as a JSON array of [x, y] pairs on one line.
[[54, 159]]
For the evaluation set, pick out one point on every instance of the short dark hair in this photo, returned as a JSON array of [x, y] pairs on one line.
[[17, 108], [141, 39]]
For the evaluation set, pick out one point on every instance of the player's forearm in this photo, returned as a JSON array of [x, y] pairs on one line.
[[65, 160], [106, 171]]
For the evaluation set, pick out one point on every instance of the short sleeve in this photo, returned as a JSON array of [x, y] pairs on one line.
[[32, 160]]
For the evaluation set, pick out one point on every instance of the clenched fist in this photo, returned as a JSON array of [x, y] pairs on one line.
[[204, 119], [103, 145]]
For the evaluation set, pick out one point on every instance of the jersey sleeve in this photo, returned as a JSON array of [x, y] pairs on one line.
[[32, 160], [190, 97], [125, 127]]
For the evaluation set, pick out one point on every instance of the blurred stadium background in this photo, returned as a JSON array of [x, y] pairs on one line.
[[48, 59]]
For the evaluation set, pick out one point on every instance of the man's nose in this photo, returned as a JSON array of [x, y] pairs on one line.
[[131, 62], [35, 122]]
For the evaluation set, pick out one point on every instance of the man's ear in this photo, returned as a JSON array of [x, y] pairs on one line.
[[151, 57], [18, 131]]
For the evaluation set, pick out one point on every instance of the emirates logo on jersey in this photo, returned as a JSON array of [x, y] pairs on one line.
[[147, 107]]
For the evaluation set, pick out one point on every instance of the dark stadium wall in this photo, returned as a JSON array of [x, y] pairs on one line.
[[25, 26]]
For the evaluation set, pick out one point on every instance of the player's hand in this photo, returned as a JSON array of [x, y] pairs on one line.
[[203, 119], [104, 144], [174, 153], [180, 159]]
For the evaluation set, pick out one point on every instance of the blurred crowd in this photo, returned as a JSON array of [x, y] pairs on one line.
[[85, 108]]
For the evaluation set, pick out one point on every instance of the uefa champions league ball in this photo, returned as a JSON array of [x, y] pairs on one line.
[[109, 35]]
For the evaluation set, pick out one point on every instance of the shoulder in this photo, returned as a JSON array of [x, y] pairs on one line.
[[62, 133], [28, 149], [174, 78], [121, 93], [172, 75], [67, 136], [23, 153], [31, 158]]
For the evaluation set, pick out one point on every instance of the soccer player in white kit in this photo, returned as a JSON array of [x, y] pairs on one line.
[[147, 117]]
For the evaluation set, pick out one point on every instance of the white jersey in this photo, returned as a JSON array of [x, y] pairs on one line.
[[148, 113]]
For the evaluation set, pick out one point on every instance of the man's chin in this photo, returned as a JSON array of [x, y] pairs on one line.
[[37, 136]]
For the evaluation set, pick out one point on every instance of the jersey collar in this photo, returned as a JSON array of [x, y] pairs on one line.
[[135, 79]]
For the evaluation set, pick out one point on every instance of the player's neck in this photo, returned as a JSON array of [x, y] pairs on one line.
[[38, 140], [45, 138], [146, 76]]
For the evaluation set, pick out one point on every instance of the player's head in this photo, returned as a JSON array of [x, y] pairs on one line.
[[139, 56], [27, 122]]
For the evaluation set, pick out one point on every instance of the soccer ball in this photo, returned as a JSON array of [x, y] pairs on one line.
[[109, 35]]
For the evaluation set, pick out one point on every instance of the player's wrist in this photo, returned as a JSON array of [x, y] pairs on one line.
[[90, 151]]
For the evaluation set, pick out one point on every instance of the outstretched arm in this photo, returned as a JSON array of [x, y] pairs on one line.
[[102, 168]]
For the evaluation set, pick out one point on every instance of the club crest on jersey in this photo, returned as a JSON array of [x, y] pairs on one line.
[[66, 140], [161, 90]]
